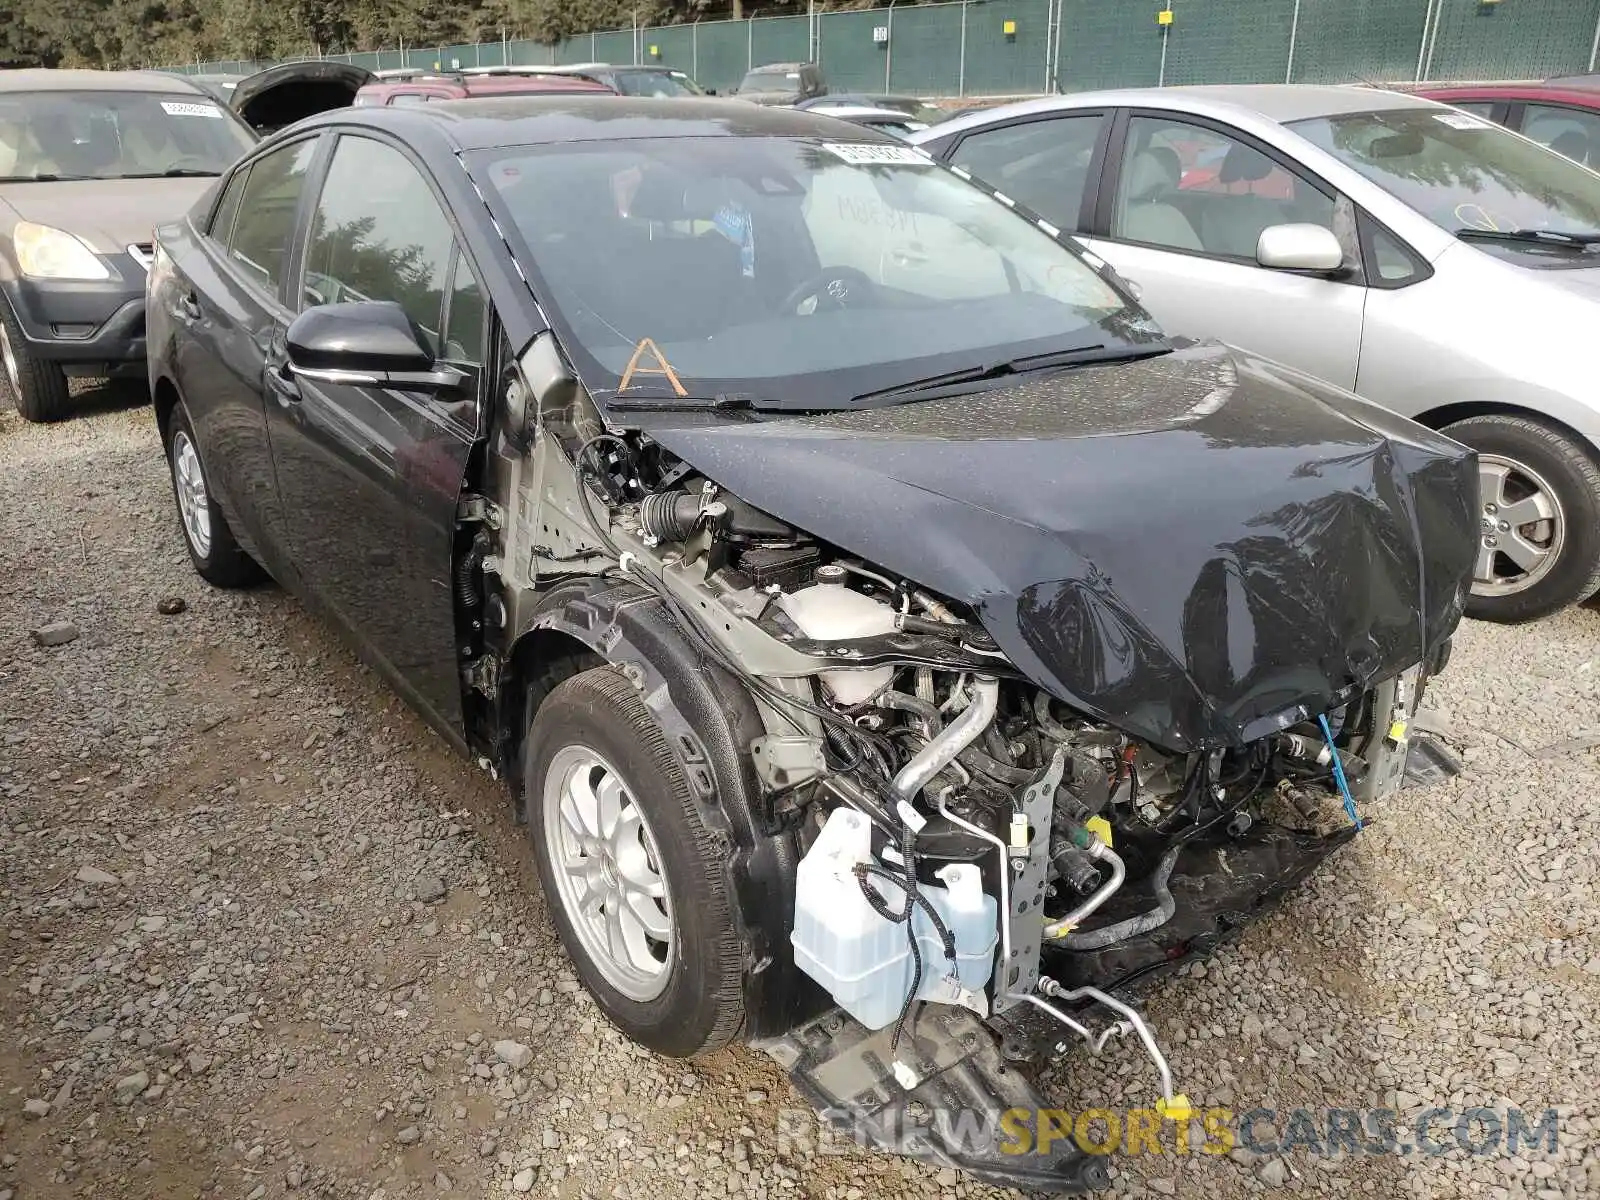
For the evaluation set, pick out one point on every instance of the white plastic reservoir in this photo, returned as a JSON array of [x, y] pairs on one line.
[[863, 959]]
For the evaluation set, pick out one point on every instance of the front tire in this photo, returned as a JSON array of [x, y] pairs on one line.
[[1539, 515], [216, 555], [37, 385], [634, 878]]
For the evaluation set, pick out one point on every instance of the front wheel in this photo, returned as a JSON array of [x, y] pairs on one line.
[[38, 386], [633, 877], [1538, 518]]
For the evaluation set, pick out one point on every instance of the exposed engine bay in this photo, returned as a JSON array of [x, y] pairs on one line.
[[975, 848]]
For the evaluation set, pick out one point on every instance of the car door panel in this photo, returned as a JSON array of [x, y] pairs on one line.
[[370, 476], [1178, 213]]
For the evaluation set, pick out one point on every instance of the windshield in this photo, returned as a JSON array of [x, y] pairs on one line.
[[790, 271], [1461, 171], [766, 79], [115, 135], [657, 83]]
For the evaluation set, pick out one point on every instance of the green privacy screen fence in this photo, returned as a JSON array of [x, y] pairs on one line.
[[1009, 47]]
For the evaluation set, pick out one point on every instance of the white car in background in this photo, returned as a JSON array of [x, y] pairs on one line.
[[1428, 259]]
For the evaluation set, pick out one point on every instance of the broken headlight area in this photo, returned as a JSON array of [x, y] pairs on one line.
[[988, 874]]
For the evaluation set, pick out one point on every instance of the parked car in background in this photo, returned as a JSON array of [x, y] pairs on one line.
[[281, 95], [924, 111], [90, 163], [428, 88], [782, 83], [1561, 114], [1421, 255], [885, 120], [808, 536], [644, 79]]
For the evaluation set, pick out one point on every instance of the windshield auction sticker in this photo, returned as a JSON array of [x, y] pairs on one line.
[[867, 154], [1460, 120], [175, 108]]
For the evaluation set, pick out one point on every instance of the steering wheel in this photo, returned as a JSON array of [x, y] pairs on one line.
[[830, 288]]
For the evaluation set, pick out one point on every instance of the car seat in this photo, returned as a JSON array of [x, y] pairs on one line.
[[1148, 214], [1232, 222]]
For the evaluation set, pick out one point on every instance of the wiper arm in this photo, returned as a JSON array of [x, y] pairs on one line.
[[1548, 237], [721, 402], [994, 370], [173, 173], [47, 177]]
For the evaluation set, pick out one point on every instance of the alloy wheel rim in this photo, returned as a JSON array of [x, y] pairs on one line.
[[608, 873], [193, 503], [8, 354], [1522, 527]]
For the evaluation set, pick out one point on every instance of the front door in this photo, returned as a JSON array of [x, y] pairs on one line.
[[370, 477], [1189, 203]]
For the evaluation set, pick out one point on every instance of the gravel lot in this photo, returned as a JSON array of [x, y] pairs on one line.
[[264, 932]]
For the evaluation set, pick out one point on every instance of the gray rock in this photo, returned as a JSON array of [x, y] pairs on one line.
[[1274, 1173], [522, 1181], [36, 1109], [131, 1087], [96, 876], [409, 1136], [429, 888], [57, 633], [1161, 1187], [100, 1033], [514, 1054], [441, 1181]]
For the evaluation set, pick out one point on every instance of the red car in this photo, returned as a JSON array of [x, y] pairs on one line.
[[423, 88], [1563, 114]]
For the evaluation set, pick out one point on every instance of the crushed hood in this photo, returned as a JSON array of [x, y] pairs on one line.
[[1199, 548], [109, 214]]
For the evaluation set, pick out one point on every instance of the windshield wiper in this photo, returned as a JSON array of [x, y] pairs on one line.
[[47, 178], [1545, 237], [955, 381], [173, 173], [721, 402]]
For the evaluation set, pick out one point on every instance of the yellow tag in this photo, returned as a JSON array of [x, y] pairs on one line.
[[1164, 17], [1397, 731], [1100, 827], [1009, 28], [1178, 1109]]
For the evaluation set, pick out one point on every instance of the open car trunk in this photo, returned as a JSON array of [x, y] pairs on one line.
[[279, 96]]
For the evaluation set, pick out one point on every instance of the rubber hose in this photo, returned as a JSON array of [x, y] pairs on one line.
[[1106, 935], [467, 594]]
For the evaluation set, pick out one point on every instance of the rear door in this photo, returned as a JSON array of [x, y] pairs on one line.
[[1179, 210], [370, 476], [225, 296]]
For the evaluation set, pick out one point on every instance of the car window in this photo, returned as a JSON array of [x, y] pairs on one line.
[[48, 135], [377, 233], [1041, 164], [267, 206], [1464, 173], [1568, 131], [1192, 188], [464, 318], [1391, 261], [228, 207], [409, 99], [1480, 108]]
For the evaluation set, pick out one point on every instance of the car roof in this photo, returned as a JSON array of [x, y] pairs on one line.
[[774, 68], [43, 80], [1277, 102], [530, 120], [1564, 93], [491, 85]]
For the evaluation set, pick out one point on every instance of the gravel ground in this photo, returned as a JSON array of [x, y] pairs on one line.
[[264, 932]]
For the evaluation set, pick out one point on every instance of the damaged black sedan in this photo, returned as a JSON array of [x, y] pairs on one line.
[[899, 650]]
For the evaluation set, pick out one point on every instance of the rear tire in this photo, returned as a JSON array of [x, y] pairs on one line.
[[1540, 566], [38, 386], [215, 553], [668, 970]]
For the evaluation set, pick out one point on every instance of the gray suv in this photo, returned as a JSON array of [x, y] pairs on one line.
[[90, 163]]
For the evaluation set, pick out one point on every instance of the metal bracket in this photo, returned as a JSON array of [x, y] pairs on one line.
[[1026, 918], [784, 760], [478, 508], [483, 675]]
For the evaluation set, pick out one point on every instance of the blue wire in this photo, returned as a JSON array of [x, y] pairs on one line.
[[1338, 774]]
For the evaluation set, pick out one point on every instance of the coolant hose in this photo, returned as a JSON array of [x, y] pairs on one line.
[[955, 737], [1098, 939]]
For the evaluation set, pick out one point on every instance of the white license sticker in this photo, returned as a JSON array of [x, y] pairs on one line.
[[867, 154], [177, 108], [1461, 120]]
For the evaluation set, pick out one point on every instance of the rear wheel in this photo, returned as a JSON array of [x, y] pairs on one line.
[[37, 385], [216, 555], [632, 875], [1538, 518]]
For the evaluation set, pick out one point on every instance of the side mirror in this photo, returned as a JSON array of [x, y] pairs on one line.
[[1299, 248], [369, 344]]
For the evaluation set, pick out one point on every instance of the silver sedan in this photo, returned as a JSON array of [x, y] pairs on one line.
[[1436, 263]]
